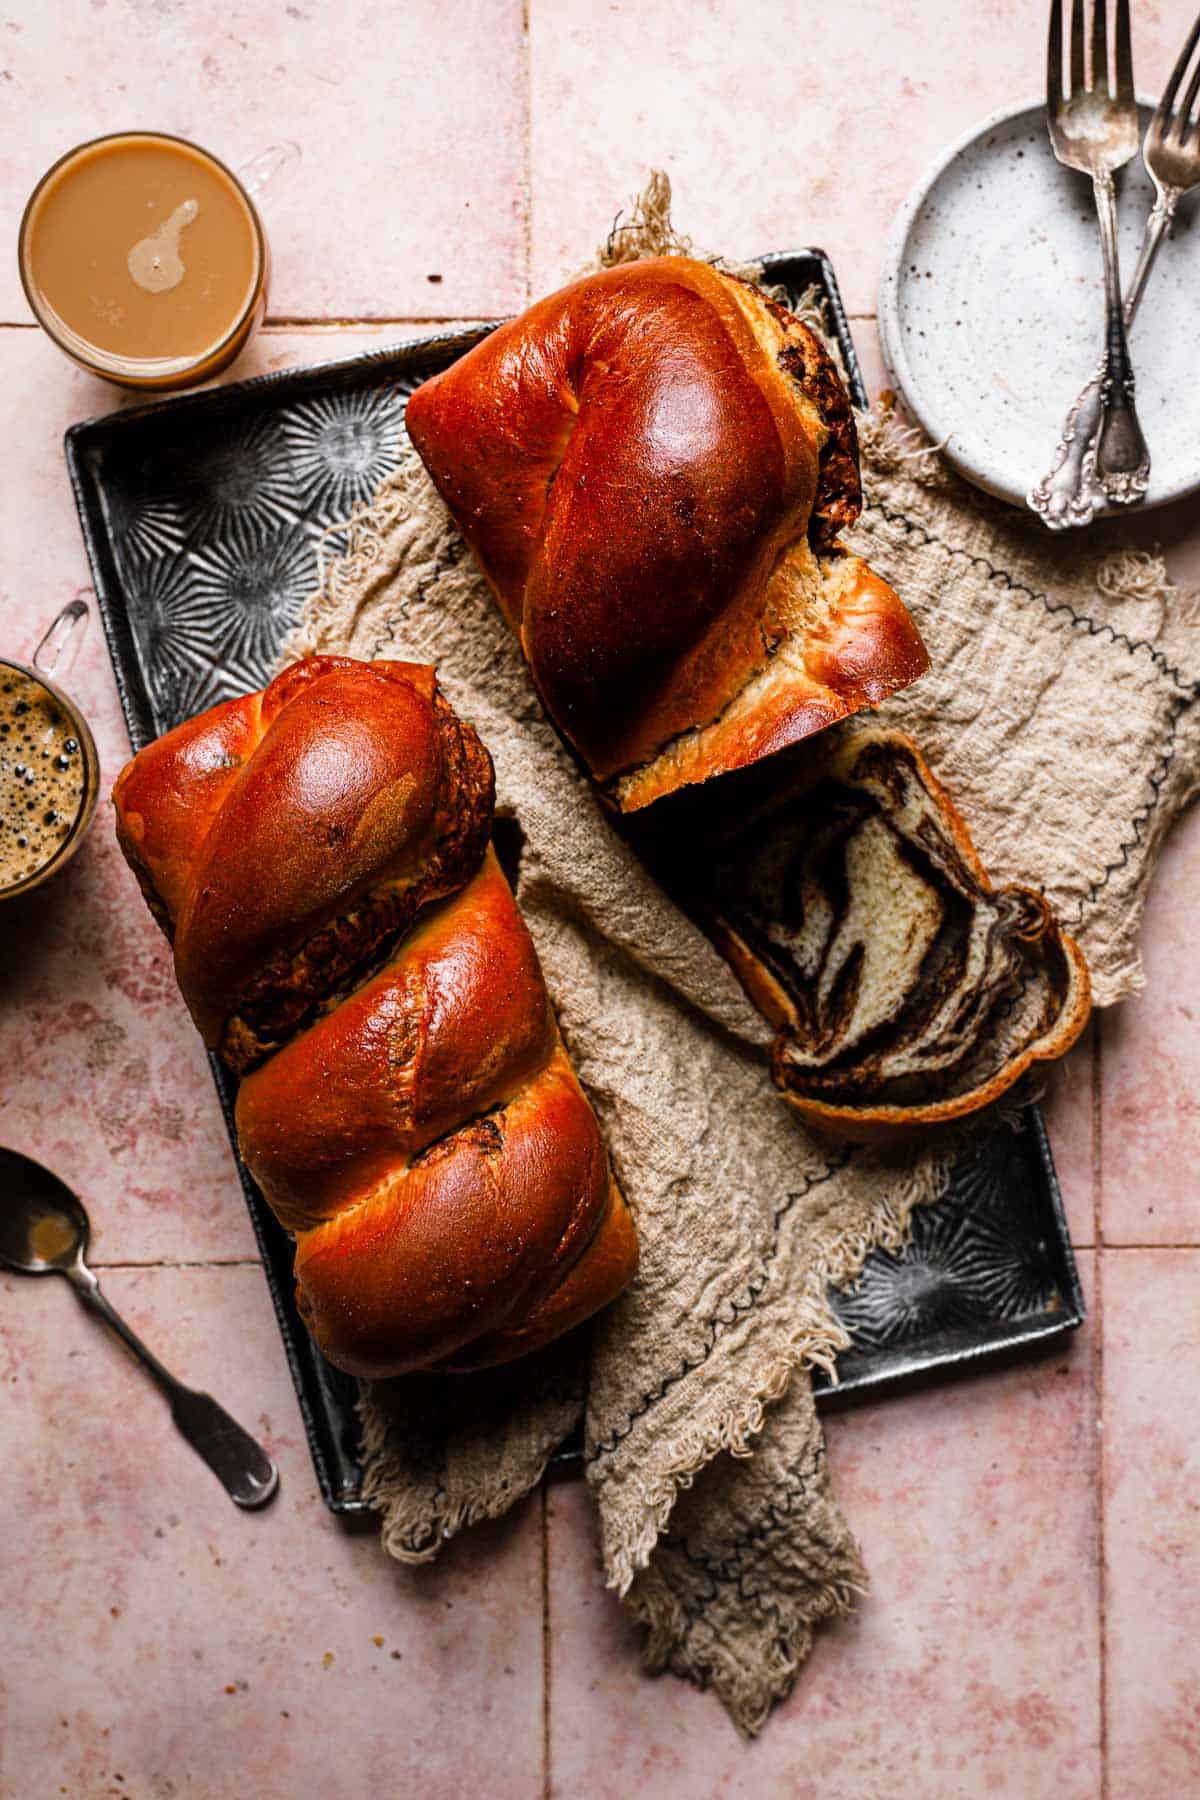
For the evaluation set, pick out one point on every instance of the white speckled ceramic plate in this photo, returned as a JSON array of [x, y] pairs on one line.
[[991, 309]]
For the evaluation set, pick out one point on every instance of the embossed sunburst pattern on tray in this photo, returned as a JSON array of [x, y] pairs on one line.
[[214, 532], [203, 517], [987, 1270]]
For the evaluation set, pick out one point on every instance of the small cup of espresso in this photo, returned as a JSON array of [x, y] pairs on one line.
[[144, 258], [49, 770]]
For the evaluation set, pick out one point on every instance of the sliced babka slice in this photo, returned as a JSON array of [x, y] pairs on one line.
[[907, 990]]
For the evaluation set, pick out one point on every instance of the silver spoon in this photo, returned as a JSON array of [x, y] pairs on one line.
[[44, 1231]]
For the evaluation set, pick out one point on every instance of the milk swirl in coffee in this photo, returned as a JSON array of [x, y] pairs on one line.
[[143, 257], [43, 776]]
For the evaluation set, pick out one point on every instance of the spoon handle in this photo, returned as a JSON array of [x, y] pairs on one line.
[[240, 1464]]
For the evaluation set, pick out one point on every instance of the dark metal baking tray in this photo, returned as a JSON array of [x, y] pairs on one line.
[[202, 517]]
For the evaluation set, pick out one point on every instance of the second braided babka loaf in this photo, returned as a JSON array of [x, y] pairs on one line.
[[345, 939]]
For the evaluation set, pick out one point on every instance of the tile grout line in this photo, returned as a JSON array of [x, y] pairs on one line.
[[214, 1262], [1098, 1372], [1112, 1249], [339, 322], [527, 143], [323, 321], [331, 322], [547, 1787], [255, 1262], [1098, 1122], [1101, 1526]]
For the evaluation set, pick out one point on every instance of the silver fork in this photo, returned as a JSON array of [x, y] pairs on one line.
[[1070, 494], [1095, 130]]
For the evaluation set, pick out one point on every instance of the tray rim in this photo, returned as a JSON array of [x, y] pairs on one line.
[[79, 438], [339, 1477], [914, 1370]]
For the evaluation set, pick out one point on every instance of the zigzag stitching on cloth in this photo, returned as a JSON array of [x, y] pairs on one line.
[[1093, 627], [743, 1304], [1142, 817], [442, 566], [1189, 690], [757, 1539], [715, 1572], [711, 1571]]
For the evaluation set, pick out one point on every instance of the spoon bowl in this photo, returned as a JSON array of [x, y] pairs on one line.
[[44, 1227]]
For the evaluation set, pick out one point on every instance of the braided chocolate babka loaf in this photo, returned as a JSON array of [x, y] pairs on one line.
[[345, 939]]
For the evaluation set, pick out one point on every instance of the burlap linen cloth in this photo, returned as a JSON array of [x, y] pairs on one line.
[[1061, 712]]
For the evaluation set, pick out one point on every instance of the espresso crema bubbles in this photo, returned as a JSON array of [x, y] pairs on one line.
[[43, 777]]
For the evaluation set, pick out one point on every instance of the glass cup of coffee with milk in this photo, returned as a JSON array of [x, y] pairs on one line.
[[145, 259], [49, 770]]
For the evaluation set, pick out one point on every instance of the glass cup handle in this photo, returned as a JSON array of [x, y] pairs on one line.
[[56, 652], [267, 166]]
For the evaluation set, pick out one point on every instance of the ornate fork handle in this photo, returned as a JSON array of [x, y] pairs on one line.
[[1122, 459], [1070, 493]]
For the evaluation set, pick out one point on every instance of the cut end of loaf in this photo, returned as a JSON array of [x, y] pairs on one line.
[[1052, 1009], [837, 640], [907, 992]]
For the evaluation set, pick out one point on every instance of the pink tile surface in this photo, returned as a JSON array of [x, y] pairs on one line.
[[777, 128], [105, 1078], [410, 122], [169, 1647], [870, 356], [1152, 1521], [973, 1666], [1151, 1095]]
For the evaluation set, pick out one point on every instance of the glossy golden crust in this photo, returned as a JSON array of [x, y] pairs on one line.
[[602, 1272], [418, 1126], [454, 1025], [289, 833], [651, 467], [478, 1229]]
